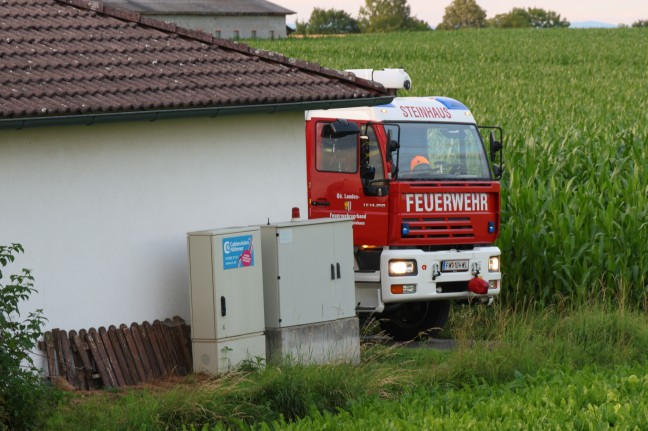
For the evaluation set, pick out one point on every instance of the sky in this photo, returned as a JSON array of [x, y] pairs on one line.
[[431, 11]]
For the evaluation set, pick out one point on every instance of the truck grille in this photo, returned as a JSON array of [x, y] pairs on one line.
[[440, 227]]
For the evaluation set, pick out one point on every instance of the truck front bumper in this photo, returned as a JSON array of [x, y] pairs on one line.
[[415, 275]]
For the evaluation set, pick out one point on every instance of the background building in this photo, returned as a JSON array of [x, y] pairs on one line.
[[227, 19]]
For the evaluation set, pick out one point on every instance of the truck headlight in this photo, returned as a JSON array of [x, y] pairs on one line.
[[402, 267], [494, 264]]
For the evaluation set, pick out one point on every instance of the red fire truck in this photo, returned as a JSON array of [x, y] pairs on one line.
[[423, 192]]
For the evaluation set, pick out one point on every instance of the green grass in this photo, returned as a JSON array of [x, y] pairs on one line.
[[507, 365], [567, 345], [550, 400], [573, 106]]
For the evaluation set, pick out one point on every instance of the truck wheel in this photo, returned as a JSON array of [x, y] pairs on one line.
[[409, 320]]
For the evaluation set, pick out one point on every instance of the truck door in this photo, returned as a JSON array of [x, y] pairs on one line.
[[339, 186]]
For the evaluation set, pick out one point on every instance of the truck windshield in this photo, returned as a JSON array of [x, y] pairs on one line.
[[439, 151]]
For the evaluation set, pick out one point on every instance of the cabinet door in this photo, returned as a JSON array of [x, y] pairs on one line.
[[238, 289], [307, 273], [344, 301]]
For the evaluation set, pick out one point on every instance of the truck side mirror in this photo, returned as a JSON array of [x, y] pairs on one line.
[[495, 146], [368, 172], [342, 127], [393, 146], [364, 150]]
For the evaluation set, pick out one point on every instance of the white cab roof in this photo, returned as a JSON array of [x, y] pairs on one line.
[[418, 109]]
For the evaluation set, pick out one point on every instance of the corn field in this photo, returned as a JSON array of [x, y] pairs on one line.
[[574, 108]]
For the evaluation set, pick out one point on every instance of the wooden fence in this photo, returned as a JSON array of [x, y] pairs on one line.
[[124, 356]]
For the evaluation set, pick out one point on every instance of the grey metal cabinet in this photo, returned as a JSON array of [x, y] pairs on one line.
[[226, 288], [308, 272]]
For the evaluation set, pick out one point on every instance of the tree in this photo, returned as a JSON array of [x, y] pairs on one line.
[[382, 16], [301, 27], [640, 23], [463, 14], [23, 397], [328, 21], [516, 18], [531, 17], [541, 18]]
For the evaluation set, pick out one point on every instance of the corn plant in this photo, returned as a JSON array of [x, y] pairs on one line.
[[573, 107]]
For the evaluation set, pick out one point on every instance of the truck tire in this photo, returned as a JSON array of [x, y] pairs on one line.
[[409, 320]]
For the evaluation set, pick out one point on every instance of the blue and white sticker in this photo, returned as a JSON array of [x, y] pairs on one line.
[[238, 252]]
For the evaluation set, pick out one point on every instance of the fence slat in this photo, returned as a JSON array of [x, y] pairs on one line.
[[85, 360], [164, 328], [79, 375], [100, 357], [96, 377], [155, 367], [52, 367], [174, 327], [132, 348], [70, 370], [60, 360], [181, 347], [115, 356], [141, 351], [121, 356], [161, 360], [130, 364]]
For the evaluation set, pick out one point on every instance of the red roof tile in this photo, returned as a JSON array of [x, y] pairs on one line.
[[78, 57]]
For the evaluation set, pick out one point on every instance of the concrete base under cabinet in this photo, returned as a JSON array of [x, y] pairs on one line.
[[328, 342]]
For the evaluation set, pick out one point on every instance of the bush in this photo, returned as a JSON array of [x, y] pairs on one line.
[[22, 393]]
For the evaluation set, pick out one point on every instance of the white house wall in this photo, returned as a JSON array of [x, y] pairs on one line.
[[103, 211], [232, 27]]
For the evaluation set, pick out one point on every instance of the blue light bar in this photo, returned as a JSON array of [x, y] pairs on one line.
[[451, 103], [405, 229]]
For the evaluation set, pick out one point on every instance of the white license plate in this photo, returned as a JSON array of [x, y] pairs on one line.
[[454, 265]]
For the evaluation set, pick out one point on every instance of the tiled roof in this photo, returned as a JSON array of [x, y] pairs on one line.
[[203, 7], [80, 57]]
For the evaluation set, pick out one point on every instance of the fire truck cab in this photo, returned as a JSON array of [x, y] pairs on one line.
[[423, 192]]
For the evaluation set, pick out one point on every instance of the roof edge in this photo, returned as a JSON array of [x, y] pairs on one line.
[[142, 19], [155, 115]]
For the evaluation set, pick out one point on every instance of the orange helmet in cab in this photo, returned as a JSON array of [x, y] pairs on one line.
[[418, 160]]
